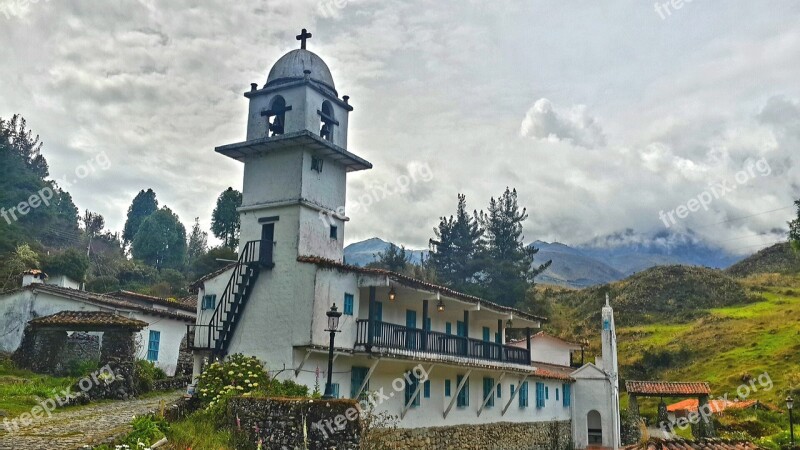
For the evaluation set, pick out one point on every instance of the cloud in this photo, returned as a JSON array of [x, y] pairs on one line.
[[574, 125]]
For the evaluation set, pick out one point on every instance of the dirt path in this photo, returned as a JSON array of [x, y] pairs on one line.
[[73, 428]]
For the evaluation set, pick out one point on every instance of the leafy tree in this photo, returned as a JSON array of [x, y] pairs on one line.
[[210, 261], [198, 243], [457, 253], [225, 218], [20, 260], [394, 258], [103, 284], [794, 229], [34, 210], [143, 205], [510, 271], [134, 275], [93, 223], [161, 240], [72, 263]]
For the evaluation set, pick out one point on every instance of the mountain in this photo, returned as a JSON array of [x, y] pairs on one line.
[[779, 258], [364, 252], [571, 267], [599, 261]]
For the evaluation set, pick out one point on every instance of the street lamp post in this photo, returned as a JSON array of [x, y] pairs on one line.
[[790, 406], [333, 328]]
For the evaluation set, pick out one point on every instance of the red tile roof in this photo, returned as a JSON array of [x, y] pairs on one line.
[[704, 444], [718, 405], [199, 282], [172, 303], [108, 301], [419, 284], [552, 371], [88, 319], [667, 388]]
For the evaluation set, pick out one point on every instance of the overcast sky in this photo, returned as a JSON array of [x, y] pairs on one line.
[[600, 114]]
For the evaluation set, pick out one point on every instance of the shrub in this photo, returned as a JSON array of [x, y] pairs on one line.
[[146, 374], [236, 375], [80, 368]]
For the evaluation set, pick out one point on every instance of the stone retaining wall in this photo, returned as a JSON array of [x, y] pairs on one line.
[[492, 436], [172, 384], [282, 423]]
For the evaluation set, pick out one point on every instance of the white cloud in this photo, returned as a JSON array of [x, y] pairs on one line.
[[574, 125]]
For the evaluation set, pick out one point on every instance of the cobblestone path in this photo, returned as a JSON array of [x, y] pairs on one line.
[[74, 427]]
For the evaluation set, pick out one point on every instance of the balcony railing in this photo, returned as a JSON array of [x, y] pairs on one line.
[[393, 336]]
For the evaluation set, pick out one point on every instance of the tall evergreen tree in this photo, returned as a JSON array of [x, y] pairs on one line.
[[457, 253], [142, 206], [394, 258], [198, 243], [161, 240], [225, 218], [510, 270], [794, 229]]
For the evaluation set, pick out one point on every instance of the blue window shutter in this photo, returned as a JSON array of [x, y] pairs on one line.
[[461, 329], [557, 399], [523, 395], [541, 394], [411, 387], [567, 395], [427, 389], [486, 334], [448, 328], [447, 388], [427, 324], [348, 304], [335, 390], [463, 396], [499, 390], [357, 376], [153, 345], [488, 385], [547, 393]]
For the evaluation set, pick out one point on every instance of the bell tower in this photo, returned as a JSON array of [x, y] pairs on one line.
[[296, 159]]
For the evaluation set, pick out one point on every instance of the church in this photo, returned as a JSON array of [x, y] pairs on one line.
[[273, 303]]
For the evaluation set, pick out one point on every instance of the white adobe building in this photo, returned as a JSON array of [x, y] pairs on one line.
[[41, 296], [272, 303]]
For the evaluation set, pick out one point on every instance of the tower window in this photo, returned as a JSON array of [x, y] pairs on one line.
[[334, 232], [327, 121], [316, 164], [276, 116]]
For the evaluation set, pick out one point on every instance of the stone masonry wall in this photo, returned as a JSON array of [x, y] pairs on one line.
[[492, 436], [282, 423]]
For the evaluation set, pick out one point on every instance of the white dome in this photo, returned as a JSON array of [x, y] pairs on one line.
[[291, 66]]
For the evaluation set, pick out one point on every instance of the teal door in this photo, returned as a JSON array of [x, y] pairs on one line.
[[378, 319], [411, 332]]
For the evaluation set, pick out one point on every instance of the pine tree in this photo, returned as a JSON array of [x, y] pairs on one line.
[[142, 206], [510, 270], [225, 218], [198, 243], [457, 253], [394, 258]]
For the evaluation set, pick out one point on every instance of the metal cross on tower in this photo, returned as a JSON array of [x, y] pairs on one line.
[[303, 37]]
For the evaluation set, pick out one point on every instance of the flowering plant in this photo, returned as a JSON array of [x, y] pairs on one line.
[[236, 375]]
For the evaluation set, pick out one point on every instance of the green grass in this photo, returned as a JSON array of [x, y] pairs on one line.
[[21, 390], [731, 343], [198, 432]]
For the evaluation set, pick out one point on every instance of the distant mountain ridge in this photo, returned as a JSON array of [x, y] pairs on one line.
[[600, 261]]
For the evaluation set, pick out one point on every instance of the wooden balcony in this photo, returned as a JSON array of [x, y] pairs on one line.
[[393, 336]]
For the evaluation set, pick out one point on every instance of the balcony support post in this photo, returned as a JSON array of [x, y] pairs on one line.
[[415, 394], [492, 393], [424, 343], [514, 395], [502, 339], [366, 378], [528, 342], [458, 391], [371, 320]]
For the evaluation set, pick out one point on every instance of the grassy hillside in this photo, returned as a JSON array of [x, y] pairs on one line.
[[693, 324], [780, 258], [665, 294]]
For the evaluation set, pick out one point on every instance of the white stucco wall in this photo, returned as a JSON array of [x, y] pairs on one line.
[[431, 410], [549, 350], [591, 391], [17, 308]]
